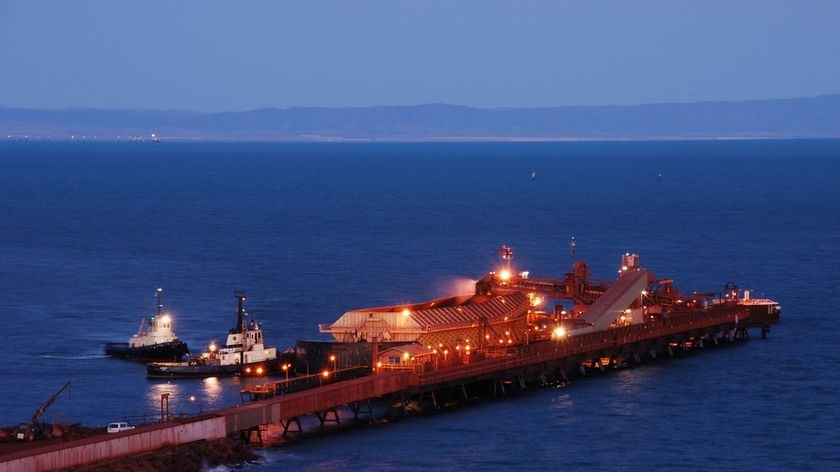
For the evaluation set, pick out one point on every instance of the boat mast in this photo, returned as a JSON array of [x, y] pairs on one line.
[[159, 293], [159, 301], [240, 323], [240, 312]]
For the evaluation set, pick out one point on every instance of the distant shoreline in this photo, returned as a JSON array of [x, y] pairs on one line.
[[455, 139], [796, 118]]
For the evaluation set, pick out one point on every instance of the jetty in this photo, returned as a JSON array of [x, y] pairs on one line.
[[478, 354]]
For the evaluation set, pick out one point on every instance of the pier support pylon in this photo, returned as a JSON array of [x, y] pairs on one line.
[[247, 433], [288, 423], [324, 416]]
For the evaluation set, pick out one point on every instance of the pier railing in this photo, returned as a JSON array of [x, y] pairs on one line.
[[545, 351], [301, 383]]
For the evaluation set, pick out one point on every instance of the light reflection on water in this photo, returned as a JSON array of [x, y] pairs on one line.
[[193, 396], [212, 389]]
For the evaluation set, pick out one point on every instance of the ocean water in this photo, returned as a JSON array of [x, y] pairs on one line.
[[88, 230]]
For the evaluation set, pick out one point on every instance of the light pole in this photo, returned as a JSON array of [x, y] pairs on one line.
[[164, 407], [332, 359]]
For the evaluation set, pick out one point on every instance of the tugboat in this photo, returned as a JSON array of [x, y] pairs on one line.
[[244, 354], [154, 340]]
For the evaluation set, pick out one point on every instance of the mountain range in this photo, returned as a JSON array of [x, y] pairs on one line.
[[811, 117]]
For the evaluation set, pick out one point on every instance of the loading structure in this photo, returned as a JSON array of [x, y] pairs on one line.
[[633, 319], [504, 318]]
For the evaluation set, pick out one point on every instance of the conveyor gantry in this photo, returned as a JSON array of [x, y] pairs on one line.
[[621, 294]]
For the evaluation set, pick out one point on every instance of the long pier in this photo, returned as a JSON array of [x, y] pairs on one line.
[[533, 364]]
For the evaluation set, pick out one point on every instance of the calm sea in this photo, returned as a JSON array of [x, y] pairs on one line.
[[88, 230]]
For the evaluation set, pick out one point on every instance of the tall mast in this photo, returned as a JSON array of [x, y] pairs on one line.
[[240, 311], [154, 321], [159, 301], [240, 325]]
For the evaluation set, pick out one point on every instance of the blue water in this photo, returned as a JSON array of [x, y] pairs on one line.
[[312, 230]]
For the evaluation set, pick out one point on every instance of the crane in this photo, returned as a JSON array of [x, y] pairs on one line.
[[35, 428]]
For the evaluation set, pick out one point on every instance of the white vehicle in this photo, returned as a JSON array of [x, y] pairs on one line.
[[119, 427]]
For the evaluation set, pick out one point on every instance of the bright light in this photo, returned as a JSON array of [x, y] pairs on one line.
[[644, 292], [504, 275], [332, 357], [558, 333], [285, 367], [212, 347], [165, 319], [536, 301], [259, 370], [405, 355], [406, 312], [325, 373]]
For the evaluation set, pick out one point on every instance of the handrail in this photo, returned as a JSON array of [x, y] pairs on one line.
[[543, 351]]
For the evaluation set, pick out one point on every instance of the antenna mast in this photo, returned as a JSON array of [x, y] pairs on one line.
[[507, 255]]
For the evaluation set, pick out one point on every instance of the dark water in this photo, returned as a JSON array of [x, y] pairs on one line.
[[87, 231]]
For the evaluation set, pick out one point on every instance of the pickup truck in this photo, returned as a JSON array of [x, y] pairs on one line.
[[119, 427]]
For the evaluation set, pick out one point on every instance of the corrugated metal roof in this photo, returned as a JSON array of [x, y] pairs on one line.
[[472, 311], [450, 312]]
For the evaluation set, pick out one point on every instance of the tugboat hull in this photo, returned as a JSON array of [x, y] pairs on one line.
[[199, 369], [161, 352]]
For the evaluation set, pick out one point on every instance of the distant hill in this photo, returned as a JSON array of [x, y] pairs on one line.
[[788, 118]]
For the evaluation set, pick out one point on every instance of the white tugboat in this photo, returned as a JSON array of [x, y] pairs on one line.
[[244, 353], [154, 341]]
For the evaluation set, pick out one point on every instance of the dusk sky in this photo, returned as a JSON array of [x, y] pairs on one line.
[[231, 56]]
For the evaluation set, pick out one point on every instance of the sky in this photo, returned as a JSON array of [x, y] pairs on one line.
[[233, 56]]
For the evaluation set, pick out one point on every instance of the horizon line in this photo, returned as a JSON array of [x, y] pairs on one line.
[[429, 104]]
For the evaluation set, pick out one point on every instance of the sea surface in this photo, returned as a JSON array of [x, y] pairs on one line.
[[311, 230]]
